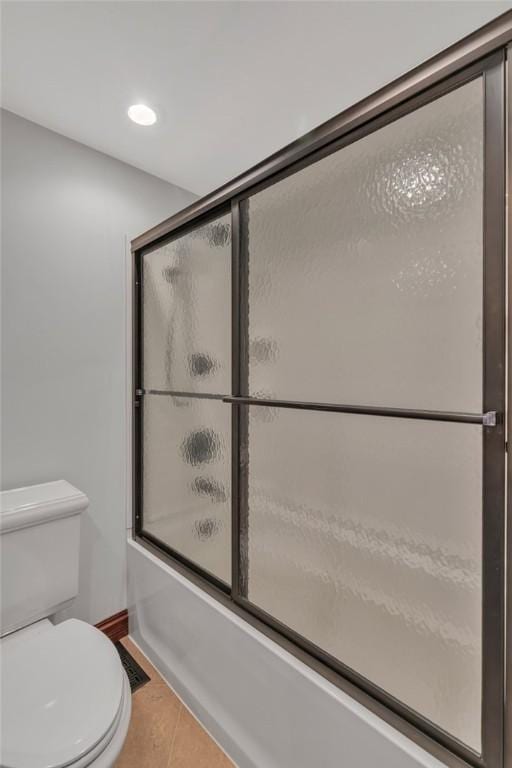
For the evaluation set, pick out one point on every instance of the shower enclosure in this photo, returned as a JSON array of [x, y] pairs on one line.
[[319, 429]]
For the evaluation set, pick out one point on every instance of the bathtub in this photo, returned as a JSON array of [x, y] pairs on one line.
[[264, 707]]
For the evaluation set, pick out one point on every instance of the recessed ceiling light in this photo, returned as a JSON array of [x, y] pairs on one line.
[[141, 114]]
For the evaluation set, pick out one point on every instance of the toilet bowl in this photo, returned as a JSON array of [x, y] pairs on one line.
[[65, 698]]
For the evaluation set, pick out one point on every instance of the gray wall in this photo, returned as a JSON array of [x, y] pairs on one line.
[[67, 212]]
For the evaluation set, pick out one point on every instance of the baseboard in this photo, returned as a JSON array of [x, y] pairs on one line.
[[116, 626]]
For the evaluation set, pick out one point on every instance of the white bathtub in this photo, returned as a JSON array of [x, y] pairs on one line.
[[263, 706]]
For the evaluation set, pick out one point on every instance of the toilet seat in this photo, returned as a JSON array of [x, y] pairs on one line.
[[63, 691], [106, 752]]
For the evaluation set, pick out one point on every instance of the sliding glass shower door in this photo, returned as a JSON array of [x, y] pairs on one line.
[[321, 401], [364, 533], [186, 370]]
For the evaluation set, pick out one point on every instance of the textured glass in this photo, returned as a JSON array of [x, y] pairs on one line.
[[187, 312], [187, 478], [365, 268], [364, 536]]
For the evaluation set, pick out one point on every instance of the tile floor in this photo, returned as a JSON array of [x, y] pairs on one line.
[[163, 733]]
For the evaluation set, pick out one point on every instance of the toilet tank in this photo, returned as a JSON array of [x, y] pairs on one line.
[[39, 547]]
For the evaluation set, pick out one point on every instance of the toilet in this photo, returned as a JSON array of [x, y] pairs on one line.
[[65, 698]]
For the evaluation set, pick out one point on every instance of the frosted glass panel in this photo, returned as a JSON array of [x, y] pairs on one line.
[[187, 478], [187, 312], [365, 268], [364, 536]]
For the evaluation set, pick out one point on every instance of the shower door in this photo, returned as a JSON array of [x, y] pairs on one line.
[[186, 371], [321, 381], [371, 368]]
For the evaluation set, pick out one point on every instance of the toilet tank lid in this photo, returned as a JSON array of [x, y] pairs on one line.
[[36, 504]]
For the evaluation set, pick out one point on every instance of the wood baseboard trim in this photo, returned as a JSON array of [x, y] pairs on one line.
[[116, 626]]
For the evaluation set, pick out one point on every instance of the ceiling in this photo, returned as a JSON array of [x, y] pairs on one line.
[[231, 81]]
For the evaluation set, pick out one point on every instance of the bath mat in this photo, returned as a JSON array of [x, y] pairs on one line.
[[136, 674]]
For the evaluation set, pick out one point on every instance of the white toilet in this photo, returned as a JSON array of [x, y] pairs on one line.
[[65, 698]]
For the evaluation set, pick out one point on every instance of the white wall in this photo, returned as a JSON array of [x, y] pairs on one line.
[[67, 213]]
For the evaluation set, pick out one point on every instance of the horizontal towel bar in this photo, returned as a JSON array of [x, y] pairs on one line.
[[489, 419]]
